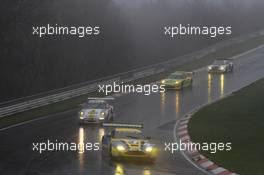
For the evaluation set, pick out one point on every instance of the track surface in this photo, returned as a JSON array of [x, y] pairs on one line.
[[158, 113]]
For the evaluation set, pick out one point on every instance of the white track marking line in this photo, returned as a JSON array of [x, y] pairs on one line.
[[37, 119]]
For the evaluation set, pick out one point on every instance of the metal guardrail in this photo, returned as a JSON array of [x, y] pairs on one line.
[[50, 97]]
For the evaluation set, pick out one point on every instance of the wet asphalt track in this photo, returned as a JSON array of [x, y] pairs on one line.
[[158, 113]]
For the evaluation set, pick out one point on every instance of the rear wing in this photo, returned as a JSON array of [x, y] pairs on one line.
[[122, 125], [96, 99], [99, 99]]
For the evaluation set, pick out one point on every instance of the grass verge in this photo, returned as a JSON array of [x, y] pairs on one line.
[[73, 103], [238, 119]]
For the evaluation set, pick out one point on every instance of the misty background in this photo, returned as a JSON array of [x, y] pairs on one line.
[[132, 36]]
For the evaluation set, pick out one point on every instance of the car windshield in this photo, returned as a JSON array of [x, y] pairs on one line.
[[95, 105], [220, 62], [176, 76], [127, 134]]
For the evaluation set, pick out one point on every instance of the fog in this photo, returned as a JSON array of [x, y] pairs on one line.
[[131, 36]]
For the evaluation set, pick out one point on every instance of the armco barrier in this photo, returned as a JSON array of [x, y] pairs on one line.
[[23, 104]]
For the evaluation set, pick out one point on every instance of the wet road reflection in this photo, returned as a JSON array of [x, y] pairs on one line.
[[166, 104], [216, 84], [222, 85], [162, 103], [177, 104], [209, 88], [146, 172], [81, 140], [119, 169], [100, 134], [88, 158], [81, 148]]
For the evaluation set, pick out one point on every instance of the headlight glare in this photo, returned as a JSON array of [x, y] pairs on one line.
[[222, 67], [120, 148], [102, 116], [149, 149]]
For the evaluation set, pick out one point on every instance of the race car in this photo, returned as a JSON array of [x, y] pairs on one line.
[[221, 66], [127, 141], [178, 80], [96, 111]]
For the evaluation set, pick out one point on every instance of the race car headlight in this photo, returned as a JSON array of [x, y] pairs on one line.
[[81, 115], [209, 67], [222, 67], [102, 116], [120, 148], [177, 82], [163, 81], [148, 149]]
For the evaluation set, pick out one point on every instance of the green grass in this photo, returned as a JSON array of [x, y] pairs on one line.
[[238, 119], [73, 103]]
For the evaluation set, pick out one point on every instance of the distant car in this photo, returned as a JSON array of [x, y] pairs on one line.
[[221, 66], [178, 80], [127, 141], [96, 111]]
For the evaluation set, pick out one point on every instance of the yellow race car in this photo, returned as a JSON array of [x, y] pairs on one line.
[[127, 141], [178, 80]]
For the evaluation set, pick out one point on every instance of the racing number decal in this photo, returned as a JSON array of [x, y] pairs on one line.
[[91, 113]]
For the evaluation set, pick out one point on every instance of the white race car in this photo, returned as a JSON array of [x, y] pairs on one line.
[[96, 111], [221, 66]]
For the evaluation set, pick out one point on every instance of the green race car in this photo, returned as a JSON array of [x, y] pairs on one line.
[[178, 80]]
